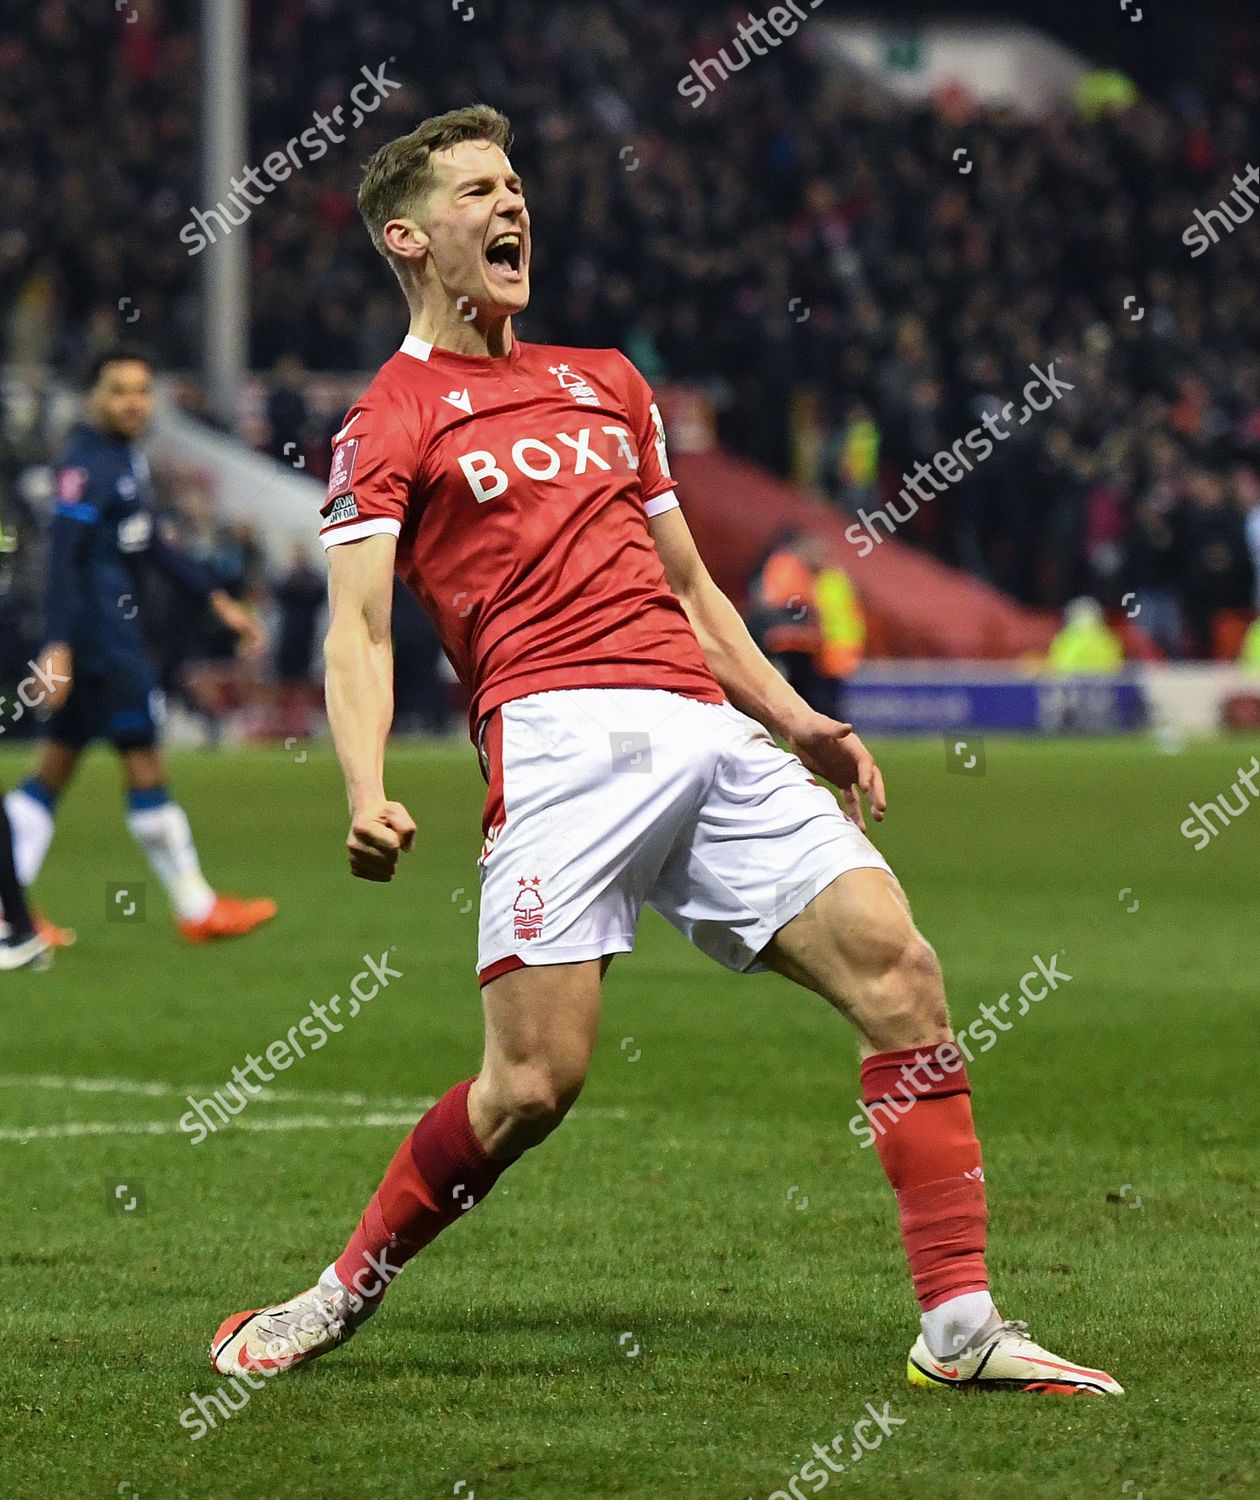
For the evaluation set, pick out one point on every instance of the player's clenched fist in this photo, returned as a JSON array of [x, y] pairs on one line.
[[378, 835]]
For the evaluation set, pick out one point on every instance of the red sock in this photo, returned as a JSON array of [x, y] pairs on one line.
[[927, 1144], [440, 1171]]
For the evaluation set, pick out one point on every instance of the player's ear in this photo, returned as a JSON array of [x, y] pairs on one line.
[[405, 239]]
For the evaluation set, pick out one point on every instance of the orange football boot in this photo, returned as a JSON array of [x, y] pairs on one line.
[[54, 936], [230, 916]]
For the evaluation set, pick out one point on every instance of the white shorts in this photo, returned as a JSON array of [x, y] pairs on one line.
[[602, 799]]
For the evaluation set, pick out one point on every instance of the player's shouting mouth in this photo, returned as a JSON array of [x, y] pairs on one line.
[[625, 722], [506, 256]]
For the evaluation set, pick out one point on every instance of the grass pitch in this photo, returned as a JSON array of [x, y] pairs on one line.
[[698, 1277]]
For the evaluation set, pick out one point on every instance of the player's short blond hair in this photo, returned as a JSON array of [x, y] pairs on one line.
[[400, 175]]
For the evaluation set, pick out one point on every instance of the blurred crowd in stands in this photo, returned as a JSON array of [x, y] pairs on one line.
[[810, 254]]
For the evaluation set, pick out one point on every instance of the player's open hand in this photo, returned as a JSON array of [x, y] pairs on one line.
[[378, 835], [829, 748]]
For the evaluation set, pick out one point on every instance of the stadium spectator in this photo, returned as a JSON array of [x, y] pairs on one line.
[[287, 412], [1217, 572], [784, 614], [842, 625], [1085, 645], [1247, 491], [1151, 569], [1249, 656], [299, 595], [854, 463]]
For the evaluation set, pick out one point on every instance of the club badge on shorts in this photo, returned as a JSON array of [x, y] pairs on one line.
[[528, 909]]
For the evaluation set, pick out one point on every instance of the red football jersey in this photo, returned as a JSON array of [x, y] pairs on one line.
[[519, 490]]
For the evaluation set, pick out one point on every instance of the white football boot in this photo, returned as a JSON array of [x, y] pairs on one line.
[[1007, 1359], [276, 1338], [32, 953]]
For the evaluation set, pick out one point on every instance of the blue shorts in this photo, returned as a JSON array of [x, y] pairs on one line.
[[124, 707]]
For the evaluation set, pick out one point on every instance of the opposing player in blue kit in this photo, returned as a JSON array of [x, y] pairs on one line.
[[94, 674]]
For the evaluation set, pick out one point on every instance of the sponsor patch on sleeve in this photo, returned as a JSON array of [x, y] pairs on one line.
[[343, 508], [345, 456]]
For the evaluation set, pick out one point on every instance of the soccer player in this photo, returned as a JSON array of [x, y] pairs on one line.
[[20, 945], [623, 719], [97, 679]]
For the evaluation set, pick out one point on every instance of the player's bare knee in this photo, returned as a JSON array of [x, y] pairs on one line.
[[902, 1003], [541, 1098], [529, 1101]]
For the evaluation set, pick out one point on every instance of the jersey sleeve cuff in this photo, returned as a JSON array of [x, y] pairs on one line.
[[658, 504], [357, 530]]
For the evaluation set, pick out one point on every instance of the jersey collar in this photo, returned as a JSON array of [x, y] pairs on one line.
[[417, 348]]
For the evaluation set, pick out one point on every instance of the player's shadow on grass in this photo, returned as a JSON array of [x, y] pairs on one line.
[[483, 1343], [493, 1322]]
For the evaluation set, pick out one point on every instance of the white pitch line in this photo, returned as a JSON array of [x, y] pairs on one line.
[[76, 1129], [385, 1112], [152, 1090], [83, 1085]]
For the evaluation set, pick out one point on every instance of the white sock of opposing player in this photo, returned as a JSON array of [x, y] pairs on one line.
[[161, 829], [30, 809], [957, 1324]]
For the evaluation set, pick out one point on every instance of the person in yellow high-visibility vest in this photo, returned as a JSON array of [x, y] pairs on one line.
[[784, 614], [1086, 645], [1249, 656], [806, 617], [843, 627]]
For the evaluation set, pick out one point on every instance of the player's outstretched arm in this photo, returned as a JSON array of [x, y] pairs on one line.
[[360, 695], [251, 638], [200, 583], [828, 747]]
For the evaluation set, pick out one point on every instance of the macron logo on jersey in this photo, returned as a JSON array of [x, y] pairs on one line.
[[488, 478], [460, 400]]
